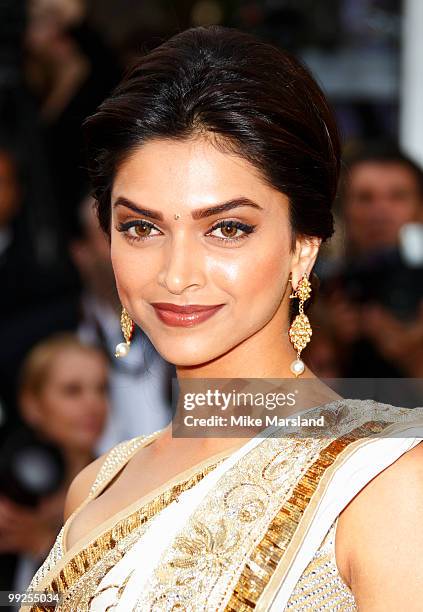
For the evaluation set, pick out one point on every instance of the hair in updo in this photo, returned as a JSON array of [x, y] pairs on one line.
[[248, 97]]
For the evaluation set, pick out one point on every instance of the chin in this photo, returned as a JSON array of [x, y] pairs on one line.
[[189, 352]]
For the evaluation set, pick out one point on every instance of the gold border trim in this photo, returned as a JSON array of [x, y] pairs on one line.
[[87, 557], [84, 553], [270, 560]]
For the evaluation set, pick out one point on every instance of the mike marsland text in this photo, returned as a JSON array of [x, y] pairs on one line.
[[249, 421]]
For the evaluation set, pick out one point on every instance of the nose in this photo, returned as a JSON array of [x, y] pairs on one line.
[[183, 267]]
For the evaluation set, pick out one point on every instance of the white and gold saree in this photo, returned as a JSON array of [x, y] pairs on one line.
[[252, 531]]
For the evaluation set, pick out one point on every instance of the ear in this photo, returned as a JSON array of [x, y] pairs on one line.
[[305, 255], [30, 409]]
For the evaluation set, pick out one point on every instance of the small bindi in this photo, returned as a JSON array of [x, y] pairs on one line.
[[176, 216]]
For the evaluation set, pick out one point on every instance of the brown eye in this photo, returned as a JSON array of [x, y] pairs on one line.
[[138, 230], [229, 230], [142, 230]]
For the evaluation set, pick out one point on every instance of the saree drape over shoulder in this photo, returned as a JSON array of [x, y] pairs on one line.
[[254, 530]]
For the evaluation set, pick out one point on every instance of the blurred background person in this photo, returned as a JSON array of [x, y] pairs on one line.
[[375, 298], [63, 399], [383, 191], [140, 384], [35, 272], [59, 35], [38, 285]]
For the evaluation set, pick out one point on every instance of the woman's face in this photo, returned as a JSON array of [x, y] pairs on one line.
[[236, 259], [72, 405]]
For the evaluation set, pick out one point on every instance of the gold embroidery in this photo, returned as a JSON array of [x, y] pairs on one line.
[[267, 554], [202, 550], [119, 587], [80, 567], [236, 583], [241, 494], [247, 500]]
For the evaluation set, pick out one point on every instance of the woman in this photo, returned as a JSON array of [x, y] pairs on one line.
[[63, 395], [214, 164], [63, 398]]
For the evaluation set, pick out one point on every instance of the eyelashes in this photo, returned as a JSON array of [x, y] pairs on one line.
[[140, 230], [133, 230], [231, 225]]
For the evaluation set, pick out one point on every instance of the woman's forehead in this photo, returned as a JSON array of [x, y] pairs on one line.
[[190, 173]]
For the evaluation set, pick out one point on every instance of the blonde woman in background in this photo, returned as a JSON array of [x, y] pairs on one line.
[[63, 398]]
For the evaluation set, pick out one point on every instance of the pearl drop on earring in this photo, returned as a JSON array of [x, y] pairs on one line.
[[297, 367], [122, 349]]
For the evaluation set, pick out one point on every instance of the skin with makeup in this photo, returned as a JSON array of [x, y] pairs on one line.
[[205, 259]]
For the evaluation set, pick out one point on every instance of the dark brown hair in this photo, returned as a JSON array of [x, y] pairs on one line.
[[250, 97]]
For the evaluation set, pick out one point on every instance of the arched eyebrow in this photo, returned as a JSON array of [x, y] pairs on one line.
[[199, 213]]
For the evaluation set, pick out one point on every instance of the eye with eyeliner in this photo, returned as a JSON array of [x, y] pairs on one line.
[[246, 228], [126, 226], [231, 224]]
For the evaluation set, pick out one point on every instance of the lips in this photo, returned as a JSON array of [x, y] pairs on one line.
[[184, 316]]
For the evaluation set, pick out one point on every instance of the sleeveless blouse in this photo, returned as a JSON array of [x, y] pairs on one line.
[[319, 588]]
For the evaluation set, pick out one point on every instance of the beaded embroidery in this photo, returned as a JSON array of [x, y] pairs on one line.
[[321, 586], [210, 550]]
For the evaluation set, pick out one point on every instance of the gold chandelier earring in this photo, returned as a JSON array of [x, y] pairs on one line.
[[128, 326], [300, 330]]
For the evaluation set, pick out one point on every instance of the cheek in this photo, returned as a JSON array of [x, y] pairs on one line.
[[128, 269], [53, 417], [49, 405], [404, 211], [61, 408], [251, 275]]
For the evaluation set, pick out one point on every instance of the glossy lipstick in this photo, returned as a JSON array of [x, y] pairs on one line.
[[184, 316]]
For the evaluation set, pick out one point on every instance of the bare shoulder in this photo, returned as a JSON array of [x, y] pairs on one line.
[[380, 538], [81, 485]]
